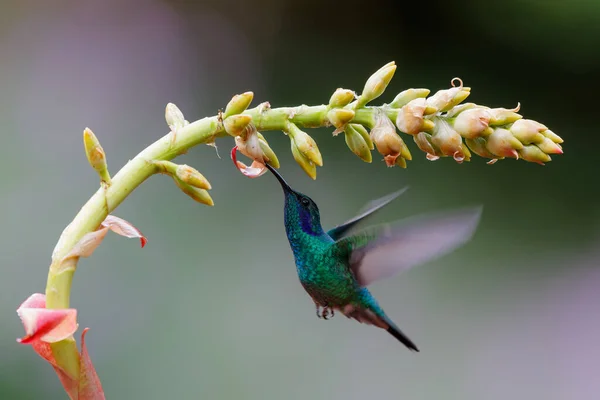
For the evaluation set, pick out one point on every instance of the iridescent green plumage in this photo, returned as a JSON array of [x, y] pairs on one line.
[[334, 269]]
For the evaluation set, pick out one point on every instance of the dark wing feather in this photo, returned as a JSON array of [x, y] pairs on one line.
[[368, 209], [385, 250]]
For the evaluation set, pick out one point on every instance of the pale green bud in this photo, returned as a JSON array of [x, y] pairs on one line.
[[339, 117], [472, 122], [363, 132], [357, 144], [174, 117], [503, 144], [305, 144], [341, 97], [401, 162], [95, 155], [549, 147], [454, 111], [307, 165], [268, 153], [192, 177], [552, 136], [478, 146], [532, 153], [199, 195], [238, 104], [236, 124], [407, 95], [410, 118], [376, 84], [503, 116], [445, 99], [387, 141], [447, 140], [528, 131]]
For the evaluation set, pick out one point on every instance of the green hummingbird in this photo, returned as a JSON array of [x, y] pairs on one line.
[[335, 267]]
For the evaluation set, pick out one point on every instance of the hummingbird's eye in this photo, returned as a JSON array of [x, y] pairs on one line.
[[305, 201]]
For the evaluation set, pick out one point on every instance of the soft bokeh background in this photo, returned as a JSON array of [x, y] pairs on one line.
[[212, 308]]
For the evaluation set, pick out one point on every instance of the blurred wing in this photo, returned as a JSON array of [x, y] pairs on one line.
[[368, 209], [383, 251]]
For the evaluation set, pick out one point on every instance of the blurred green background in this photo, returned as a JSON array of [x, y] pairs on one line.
[[212, 308]]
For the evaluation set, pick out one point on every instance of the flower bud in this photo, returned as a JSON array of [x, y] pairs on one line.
[[410, 118], [472, 122], [503, 144], [363, 132], [447, 140], [376, 84], [407, 95], [339, 117], [549, 147], [305, 145], [268, 153], [552, 136], [387, 141], [192, 177], [199, 195], [478, 146], [454, 111], [503, 116], [174, 117], [357, 144], [236, 124], [445, 99], [95, 155], [423, 141], [528, 131], [307, 165], [341, 97], [532, 153], [238, 104]]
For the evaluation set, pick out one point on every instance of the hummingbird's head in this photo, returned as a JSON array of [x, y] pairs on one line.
[[300, 210]]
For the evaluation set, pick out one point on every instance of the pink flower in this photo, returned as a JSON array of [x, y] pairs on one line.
[[253, 171], [43, 327]]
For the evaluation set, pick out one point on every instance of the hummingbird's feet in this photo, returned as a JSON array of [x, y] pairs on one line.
[[326, 313]]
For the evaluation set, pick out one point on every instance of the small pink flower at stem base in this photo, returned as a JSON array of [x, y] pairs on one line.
[[254, 171], [43, 327]]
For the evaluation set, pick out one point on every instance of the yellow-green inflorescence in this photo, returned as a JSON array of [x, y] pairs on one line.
[[440, 124]]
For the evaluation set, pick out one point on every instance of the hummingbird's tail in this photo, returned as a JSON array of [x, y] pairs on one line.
[[397, 333]]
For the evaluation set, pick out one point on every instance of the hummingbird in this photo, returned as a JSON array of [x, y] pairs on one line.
[[336, 266]]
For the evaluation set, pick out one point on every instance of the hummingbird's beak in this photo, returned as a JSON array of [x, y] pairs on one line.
[[284, 185]]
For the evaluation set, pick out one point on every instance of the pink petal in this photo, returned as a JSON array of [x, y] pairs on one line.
[[124, 228], [254, 171], [44, 325], [90, 241], [89, 383]]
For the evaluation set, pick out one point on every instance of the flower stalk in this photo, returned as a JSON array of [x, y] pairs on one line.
[[440, 126]]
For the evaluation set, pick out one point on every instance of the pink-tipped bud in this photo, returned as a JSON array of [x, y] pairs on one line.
[[410, 117], [447, 140], [472, 122], [532, 153], [503, 144], [387, 141], [478, 146], [528, 131]]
